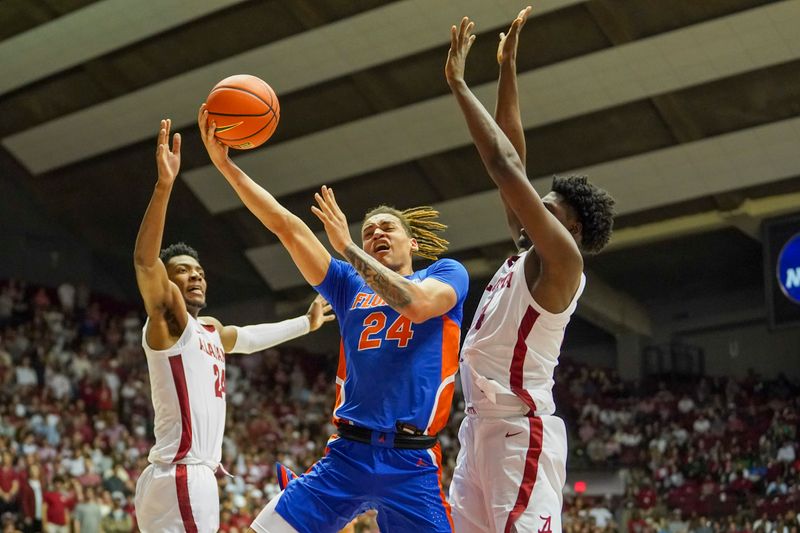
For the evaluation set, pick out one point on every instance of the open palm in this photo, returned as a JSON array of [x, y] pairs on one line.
[[461, 40], [507, 48], [168, 160]]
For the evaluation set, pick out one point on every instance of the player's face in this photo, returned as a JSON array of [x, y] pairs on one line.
[[185, 272], [384, 238], [565, 213]]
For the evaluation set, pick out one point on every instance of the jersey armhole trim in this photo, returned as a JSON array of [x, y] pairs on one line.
[[544, 313], [182, 341]]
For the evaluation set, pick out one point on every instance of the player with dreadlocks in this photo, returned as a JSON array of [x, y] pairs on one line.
[[398, 359], [511, 467]]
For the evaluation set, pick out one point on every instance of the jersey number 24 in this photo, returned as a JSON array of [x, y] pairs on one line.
[[373, 335], [219, 381]]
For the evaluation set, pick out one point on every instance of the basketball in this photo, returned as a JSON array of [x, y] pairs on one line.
[[245, 109]]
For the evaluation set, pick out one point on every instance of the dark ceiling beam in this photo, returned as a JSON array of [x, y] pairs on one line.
[[619, 31], [307, 12], [683, 127]]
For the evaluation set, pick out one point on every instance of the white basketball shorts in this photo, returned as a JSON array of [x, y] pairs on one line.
[[177, 499], [509, 475]]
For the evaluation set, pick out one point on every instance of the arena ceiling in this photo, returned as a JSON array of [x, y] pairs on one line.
[[687, 111]]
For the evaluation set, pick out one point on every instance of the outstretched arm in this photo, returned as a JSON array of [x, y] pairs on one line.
[[258, 337], [554, 245], [507, 113], [416, 301], [306, 250], [162, 299]]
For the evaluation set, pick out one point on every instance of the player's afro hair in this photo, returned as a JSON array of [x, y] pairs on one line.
[[594, 207], [179, 248]]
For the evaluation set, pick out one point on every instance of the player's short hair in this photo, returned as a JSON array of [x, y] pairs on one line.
[[419, 223], [594, 207], [178, 248]]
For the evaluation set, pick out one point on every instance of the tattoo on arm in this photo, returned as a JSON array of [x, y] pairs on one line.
[[389, 285]]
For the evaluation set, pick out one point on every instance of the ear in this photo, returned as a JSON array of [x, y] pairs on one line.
[[414, 245], [576, 229]]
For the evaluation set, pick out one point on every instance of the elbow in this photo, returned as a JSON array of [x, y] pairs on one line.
[[418, 313], [415, 317], [140, 262], [282, 224], [504, 164]]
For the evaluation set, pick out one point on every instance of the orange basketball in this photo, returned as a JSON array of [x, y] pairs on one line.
[[245, 109]]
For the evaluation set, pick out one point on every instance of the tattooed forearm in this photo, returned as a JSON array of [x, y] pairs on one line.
[[389, 285]]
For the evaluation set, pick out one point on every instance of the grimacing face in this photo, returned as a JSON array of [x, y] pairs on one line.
[[185, 272], [384, 238]]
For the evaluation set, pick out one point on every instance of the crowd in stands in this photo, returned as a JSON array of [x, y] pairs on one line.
[[701, 453], [76, 421]]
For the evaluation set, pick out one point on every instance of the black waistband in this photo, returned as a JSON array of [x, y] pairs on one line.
[[387, 440]]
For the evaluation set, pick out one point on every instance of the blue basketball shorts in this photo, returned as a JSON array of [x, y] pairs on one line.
[[403, 485]]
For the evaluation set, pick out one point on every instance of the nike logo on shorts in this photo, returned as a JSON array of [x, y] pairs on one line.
[[512, 434]]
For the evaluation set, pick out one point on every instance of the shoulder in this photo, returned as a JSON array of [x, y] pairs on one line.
[[445, 265], [449, 272], [210, 321], [337, 270], [446, 261]]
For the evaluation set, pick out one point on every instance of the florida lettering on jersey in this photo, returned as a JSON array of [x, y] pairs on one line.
[[366, 300]]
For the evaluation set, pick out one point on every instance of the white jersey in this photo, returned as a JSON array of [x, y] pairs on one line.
[[187, 383], [512, 347]]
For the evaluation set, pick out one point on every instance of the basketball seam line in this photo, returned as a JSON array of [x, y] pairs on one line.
[[241, 114], [247, 92]]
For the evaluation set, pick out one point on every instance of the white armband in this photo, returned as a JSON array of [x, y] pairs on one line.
[[259, 337]]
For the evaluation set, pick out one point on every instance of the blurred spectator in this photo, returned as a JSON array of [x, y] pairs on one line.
[[601, 514], [55, 507], [26, 375], [32, 500], [9, 485], [117, 521], [66, 297], [88, 513], [786, 453]]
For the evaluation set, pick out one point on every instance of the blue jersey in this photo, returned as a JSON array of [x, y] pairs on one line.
[[390, 369]]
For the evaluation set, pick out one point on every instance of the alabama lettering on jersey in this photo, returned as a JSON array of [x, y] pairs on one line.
[[390, 369], [512, 347], [187, 383]]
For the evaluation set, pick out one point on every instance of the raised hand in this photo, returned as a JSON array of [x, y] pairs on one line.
[[461, 40], [319, 312], [168, 161], [217, 151], [335, 222], [507, 48]]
